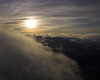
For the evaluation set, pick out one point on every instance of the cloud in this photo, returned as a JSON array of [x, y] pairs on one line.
[[11, 23], [17, 29], [59, 13], [22, 58]]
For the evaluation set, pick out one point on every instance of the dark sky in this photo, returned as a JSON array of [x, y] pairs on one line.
[[78, 16]]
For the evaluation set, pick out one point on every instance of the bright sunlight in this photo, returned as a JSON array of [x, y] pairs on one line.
[[30, 23]]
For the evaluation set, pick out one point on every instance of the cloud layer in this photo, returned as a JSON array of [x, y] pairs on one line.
[[57, 15], [22, 58]]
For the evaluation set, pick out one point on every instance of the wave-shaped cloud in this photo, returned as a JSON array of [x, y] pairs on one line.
[[22, 58]]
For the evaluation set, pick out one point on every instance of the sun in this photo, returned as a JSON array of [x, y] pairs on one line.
[[30, 23]]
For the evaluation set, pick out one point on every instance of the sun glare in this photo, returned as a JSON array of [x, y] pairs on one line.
[[30, 23]]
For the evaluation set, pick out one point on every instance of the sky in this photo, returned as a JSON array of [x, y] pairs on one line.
[[52, 16]]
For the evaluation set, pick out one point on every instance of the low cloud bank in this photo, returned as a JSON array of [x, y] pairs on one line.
[[22, 58]]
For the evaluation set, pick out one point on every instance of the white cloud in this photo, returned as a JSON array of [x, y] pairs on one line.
[[22, 58]]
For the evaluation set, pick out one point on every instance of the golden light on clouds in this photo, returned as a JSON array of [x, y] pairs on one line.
[[31, 23]]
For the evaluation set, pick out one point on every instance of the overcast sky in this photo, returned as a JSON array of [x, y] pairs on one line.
[[60, 16]]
